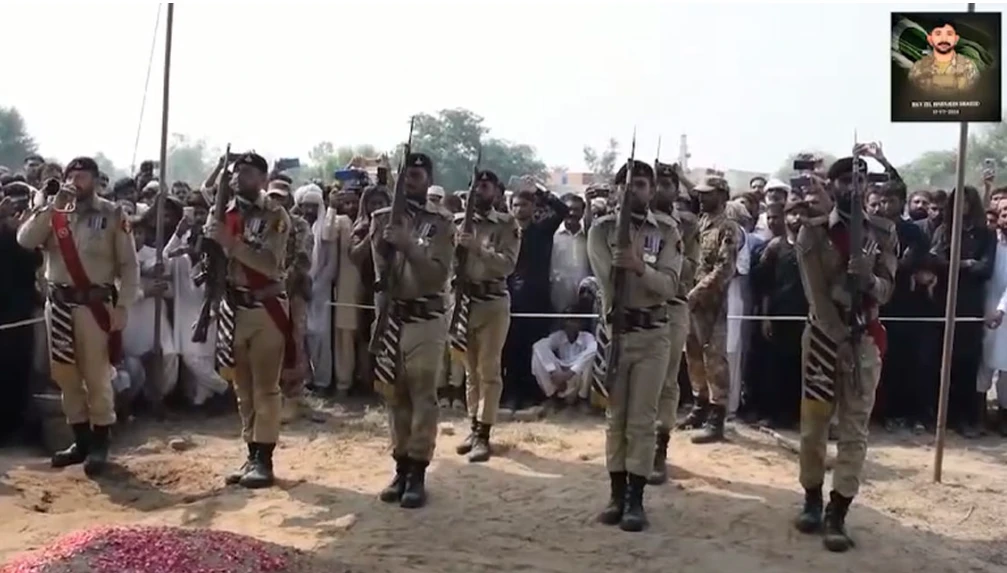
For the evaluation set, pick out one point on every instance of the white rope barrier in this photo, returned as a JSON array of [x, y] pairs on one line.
[[21, 323], [729, 317]]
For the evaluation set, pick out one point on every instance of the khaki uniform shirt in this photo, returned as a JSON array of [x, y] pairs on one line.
[[960, 73], [423, 270], [104, 241], [263, 243], [718, 255], [497, 243], [824, 273], [662, 247]]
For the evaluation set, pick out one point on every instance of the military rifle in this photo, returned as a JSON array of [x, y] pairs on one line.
[[211, 271], [387, 252], [617, 316], [856, 248], [462, 253]]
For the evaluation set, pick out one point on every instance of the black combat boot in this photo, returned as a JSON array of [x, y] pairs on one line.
[[713, 429], [834, 535], [612, 514], [660, 473], [77, 452], [234, 477], [634, 518], [810, 518], [260, 471], [415, 494], [481, 447], [697, 416], [393, 493], [97, 454], [466, 445]]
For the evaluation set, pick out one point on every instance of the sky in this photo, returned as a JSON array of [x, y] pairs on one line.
[[748, 83]]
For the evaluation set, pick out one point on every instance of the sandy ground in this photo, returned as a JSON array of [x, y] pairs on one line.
[[531, 508]]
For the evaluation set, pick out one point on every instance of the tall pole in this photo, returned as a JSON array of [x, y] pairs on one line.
[[159, 202], [950, 309]]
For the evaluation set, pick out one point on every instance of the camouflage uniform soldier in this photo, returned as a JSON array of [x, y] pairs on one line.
[[420, 266], [667, 406], [838, 378], [944, 70], [652, 264], [481, 330], [88, 246], [705, 346]]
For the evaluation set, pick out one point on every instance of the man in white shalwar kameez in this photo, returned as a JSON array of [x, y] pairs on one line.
[[994, 362], [310, 204], [199, 378]]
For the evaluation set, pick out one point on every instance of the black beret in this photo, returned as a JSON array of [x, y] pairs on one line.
[[844, 166], [640, 169], [253, 159], [421, 160], [124, 185], [666, 170], [489, 176], [81, 164], [17, 189]]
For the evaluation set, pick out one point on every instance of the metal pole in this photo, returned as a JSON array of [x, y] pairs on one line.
[[158, 372], [951, 307]]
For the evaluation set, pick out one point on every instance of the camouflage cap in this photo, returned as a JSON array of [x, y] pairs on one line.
[[713, 183]]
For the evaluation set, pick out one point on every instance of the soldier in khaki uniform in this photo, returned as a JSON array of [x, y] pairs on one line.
[[944, 70], [652, 265], [417, 276], [481, 330], [665, 201], [839, 378], [254, 333], [88, 246], [705, 346]]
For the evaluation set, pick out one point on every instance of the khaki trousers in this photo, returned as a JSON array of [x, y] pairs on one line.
[[852, 407], [632, 403], [413, 414], [706, 355], [667, 405], [258, 362], [87, 386], [487, 332]]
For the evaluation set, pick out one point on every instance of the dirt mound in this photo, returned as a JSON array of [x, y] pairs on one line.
[[166, 550]]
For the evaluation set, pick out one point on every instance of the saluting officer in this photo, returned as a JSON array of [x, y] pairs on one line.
[[652, 264], [423, 244], [88, 246], [254, 331], [493, 248]]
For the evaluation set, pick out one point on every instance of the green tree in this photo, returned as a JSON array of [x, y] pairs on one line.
[[452, 138], [938, 169], [190, 160], [602, 163], [787, 168], [325, 158], [15, 143]]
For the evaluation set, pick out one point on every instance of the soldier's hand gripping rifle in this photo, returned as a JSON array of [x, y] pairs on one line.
[[211, 272], [617, 320], [462, 253], [856, 249], [387, 252]]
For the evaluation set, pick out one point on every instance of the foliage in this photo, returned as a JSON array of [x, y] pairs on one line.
[[15, 143], [938, 169], [602, 164], [108, 167], [452, 137], [190, 160], [325, 159]]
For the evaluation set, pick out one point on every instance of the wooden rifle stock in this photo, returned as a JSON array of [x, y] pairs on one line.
[[383, 301], [462, 253], [213, 272], [617, 316]]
